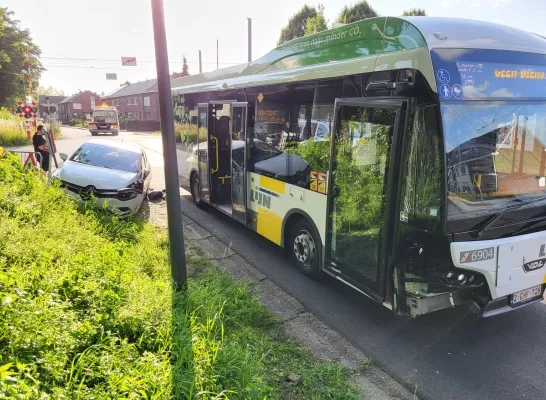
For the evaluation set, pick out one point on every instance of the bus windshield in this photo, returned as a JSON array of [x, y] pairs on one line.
[[495, 153]]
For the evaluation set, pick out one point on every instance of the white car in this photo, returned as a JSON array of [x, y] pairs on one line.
[[109, 172]]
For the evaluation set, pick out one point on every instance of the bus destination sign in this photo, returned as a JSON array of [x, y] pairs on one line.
[[501, 80]]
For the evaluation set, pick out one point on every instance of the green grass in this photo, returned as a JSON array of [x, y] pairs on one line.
[[87, 311]]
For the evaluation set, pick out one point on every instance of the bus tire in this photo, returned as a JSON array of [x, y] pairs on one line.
[[305, 248], [194, 190]]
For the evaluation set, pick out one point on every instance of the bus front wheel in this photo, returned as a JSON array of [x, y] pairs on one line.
[[305, 249]]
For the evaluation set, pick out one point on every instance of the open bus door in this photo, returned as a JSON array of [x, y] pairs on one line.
[[362, 194], [203, 153], [227, 152]]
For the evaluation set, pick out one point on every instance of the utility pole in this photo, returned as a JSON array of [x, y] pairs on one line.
[[217, 54], [200, 63], [249, 39], [174, 212]]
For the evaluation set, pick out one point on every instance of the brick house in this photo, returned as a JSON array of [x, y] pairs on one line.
[[136, 101], [77, 106]]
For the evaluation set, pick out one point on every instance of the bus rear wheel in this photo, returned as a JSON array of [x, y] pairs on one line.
[[194, 189], [305, 249]]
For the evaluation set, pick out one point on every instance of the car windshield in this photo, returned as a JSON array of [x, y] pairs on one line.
[[495, 153], [264, 151], [107, 157]]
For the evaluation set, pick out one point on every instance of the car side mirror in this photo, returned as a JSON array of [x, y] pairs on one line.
[[147, 172], [63, 156]]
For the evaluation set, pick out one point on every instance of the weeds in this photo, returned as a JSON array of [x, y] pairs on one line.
[[87, 311]]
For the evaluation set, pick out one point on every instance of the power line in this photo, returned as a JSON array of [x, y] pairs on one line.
[[140, 61]]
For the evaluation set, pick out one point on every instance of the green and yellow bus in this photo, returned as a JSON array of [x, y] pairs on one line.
[[404, 157]]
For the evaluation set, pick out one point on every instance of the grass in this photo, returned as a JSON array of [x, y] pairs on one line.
[[87, 311]]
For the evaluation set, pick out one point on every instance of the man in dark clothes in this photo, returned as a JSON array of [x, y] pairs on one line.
[[40, 146]]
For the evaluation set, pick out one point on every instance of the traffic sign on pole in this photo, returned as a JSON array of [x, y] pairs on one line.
[[128, 61]]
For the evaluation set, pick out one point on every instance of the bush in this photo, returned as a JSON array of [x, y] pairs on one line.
[[187, 134]]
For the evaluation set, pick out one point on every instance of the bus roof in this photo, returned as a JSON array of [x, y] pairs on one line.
[[373, 44]]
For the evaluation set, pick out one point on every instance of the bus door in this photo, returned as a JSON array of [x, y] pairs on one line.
[[362, 190], [203, 152], [219, 145], [238, 160]]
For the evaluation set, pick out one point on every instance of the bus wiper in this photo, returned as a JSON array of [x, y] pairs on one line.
[[512, 205]]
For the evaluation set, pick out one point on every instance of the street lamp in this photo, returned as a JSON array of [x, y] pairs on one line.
[[174, 212]]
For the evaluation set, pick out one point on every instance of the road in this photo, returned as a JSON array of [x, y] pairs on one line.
[[445, 355]]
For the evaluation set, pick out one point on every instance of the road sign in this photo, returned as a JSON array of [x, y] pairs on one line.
[[111, 77], [128, 61]]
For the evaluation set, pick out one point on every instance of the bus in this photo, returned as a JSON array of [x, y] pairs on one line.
[[105, 120], [428, 189]]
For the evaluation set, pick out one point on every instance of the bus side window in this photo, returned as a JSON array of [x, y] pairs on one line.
[[422, 191]]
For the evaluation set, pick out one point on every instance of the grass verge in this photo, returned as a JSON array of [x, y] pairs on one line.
[[87, 311]]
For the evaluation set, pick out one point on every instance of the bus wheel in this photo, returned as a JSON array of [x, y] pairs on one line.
[[194, 188], [305, 248]]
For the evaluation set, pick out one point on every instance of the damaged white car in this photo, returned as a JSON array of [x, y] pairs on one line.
[[114, 174]]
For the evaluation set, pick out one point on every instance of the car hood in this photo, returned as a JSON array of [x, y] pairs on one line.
[[88, 175], [283, 165]]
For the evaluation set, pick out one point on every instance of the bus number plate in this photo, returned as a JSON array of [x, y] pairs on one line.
[[477, 255], [526, 294]]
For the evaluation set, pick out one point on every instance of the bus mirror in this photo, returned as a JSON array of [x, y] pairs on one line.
[[404, 88]]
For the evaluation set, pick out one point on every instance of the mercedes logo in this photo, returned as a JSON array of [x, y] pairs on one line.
[[88, 192]]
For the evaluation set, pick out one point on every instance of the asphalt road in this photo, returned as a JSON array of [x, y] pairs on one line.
[[444, 355]]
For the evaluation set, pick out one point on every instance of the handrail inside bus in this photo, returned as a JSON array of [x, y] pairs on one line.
[[212, 171]]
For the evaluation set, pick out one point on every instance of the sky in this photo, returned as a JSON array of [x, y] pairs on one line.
[[82, 40]]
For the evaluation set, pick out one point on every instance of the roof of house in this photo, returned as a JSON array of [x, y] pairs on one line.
[[52, 99], [131, 89], [70, 99]]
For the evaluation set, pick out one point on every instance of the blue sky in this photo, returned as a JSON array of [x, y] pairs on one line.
[[82, 40]]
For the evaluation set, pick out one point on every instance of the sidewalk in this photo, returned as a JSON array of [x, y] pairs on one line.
[[324, 343]]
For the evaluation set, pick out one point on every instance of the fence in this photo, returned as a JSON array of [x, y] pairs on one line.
[[28, 158]]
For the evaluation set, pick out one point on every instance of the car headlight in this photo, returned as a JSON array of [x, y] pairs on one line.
[[130, 192]]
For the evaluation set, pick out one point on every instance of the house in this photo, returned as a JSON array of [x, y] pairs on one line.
[[78, 106], [136, 101], [49, 104]]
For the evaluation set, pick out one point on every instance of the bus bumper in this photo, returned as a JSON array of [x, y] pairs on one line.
[[502, 305]]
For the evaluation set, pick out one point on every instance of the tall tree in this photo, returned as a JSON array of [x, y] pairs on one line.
[[297, 24], [316, 24], [359, 11], [185, 68], [13, 61], [420, 12]]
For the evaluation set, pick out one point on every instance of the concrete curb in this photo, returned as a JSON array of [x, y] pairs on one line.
[[324, 343]]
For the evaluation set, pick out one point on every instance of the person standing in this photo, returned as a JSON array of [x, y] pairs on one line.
[[40, 146]]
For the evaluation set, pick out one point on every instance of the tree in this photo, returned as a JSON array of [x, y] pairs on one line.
[[414, 12], [49, 91], [13, 61], [357, 12], [316, 24], [297, 24], [185, 69]]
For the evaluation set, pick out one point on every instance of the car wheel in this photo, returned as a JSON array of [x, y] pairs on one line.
[[194, 188], [305, 249]]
